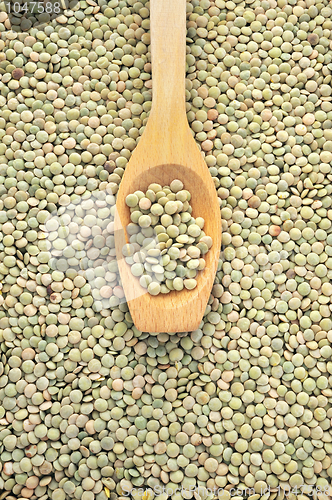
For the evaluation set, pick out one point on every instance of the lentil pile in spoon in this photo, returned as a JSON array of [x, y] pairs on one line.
[[167, 244]]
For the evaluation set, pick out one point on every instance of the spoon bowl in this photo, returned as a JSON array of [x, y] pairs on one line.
[[167, 151]]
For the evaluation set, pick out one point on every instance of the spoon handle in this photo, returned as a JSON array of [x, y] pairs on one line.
[[168, 57]]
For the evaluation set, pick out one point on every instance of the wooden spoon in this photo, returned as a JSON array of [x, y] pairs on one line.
[[167, 151]]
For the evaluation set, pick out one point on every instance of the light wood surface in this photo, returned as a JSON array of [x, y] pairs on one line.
[[167, 151]]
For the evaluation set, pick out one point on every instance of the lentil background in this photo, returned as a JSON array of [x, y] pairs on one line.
[[90, 406]]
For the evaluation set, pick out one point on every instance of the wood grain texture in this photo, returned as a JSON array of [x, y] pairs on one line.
[[167, 151]]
